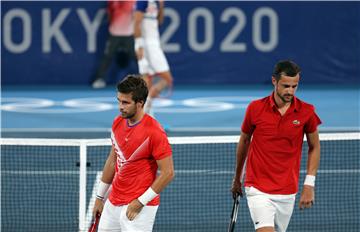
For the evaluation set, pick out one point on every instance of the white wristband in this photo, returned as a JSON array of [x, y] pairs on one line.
[[139, 43], [147, 196], [309, 180], [102, 189]]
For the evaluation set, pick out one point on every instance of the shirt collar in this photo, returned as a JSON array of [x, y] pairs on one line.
[[136, 123], [293, 107]]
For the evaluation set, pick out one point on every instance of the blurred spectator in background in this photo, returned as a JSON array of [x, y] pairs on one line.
[[120, 41], [151, 59]]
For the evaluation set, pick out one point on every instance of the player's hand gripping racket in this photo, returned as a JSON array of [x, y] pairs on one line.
[[94, 224], [234, 213]]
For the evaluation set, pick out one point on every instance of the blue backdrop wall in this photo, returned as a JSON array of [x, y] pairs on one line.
[[205, 42]]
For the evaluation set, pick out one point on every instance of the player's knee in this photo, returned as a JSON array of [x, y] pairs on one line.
[[170, 79], [167, 77]]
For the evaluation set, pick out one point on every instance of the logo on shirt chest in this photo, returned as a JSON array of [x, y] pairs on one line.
[[296, 122]]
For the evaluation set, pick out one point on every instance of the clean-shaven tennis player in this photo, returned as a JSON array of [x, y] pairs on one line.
[[271, 143]]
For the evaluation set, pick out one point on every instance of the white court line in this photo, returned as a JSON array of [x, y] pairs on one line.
[[217, 172], [75, 130], [170, 129], [194, 171], [45, 172], [237, 129], [324, 137]]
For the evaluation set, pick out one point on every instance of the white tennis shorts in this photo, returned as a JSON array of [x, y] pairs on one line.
[[113, 218], [154, 60], [269, 210]]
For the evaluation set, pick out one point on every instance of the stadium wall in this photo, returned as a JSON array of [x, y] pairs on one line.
[[222, 42]]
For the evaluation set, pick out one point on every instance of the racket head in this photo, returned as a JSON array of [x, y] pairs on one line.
[[95, 223], [234, 213]]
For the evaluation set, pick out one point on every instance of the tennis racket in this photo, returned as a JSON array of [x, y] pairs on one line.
[[234, 214], [94, 224]]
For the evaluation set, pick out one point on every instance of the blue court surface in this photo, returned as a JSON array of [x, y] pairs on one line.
[[42, 182], [32, 111]]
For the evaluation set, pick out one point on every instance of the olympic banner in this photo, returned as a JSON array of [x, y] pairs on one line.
[[206, 43]]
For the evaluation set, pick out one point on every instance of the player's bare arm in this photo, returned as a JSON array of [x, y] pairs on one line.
[[107, 177], [241, 154], [160, 16], [167, 174], [166, 168], [307, 197], [139, 41]]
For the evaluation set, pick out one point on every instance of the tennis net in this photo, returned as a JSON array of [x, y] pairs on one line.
[[49, 185]]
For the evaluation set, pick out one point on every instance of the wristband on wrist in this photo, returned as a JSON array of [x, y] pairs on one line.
[[102, 189], [139, 43], [147, 196], [99, 197], [310, 180]]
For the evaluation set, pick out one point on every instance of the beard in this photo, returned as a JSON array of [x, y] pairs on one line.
[[127, 115], [286, 97]]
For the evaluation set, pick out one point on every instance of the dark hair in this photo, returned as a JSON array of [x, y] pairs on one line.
[[285, 68], [134, 84]]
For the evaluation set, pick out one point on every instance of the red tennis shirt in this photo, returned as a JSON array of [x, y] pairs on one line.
[[121, 17], [137, 148], [273, 161]]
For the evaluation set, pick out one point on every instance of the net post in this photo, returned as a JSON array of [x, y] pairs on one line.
[[82, 186]]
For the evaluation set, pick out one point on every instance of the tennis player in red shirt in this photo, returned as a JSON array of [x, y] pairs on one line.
[[140, 148], [271, 143]]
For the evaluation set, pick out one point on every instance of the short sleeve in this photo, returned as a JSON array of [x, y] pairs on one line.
[[312, 123], [160, 145], [247, 126], [141, 5]]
